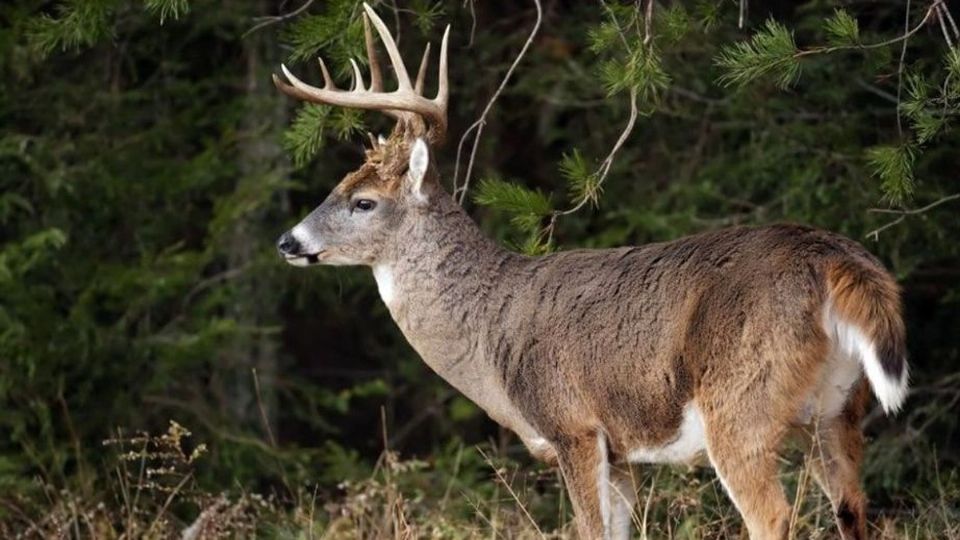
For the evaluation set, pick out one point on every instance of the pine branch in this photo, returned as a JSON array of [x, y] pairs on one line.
[[771, 51], [171, 9], [510, 197], [305, 136], [842, 29], [528, 207], [338, 31], [79, 23], [894, 166], [583, 183], [641, 71]]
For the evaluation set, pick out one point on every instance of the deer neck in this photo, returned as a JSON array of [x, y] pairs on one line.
[[441, 277], [444, 285]]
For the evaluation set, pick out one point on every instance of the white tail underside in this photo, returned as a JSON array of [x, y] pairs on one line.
[[851, 340]]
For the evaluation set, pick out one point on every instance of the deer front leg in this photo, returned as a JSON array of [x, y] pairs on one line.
[[584, 463]]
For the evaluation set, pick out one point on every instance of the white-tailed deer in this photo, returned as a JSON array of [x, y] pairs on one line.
[[718, 344]]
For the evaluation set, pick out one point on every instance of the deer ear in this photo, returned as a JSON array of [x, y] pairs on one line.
[[417, 169]]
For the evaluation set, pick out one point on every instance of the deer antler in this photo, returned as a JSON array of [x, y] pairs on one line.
[[406, 103]]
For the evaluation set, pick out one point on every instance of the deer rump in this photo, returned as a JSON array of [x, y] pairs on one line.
[[780, 321]]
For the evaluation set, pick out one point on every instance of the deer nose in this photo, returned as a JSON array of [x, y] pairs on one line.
[[288, 245]]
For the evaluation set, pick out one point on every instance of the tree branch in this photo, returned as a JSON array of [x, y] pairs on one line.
[[482, 121], [905, 213], [267, 21]]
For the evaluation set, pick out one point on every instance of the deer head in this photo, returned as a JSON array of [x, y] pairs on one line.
[[359, 219]]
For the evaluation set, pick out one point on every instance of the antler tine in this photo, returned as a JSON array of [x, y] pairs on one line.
[[422, 72], [443, 87], [327, 79], [357, 77], [403, 79], [376, 77]]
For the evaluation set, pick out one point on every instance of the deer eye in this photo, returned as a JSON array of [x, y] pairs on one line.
[[364, 205]]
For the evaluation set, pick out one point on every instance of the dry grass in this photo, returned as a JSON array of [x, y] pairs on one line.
[[152, 493]]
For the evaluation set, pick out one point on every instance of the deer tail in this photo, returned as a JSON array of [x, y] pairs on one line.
[[864, 316]]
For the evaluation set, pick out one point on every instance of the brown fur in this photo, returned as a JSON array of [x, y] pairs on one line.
[[380, 173]]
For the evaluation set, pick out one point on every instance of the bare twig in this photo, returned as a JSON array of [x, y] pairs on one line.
[[943, 25], [644, 521], [879, 92], [945, 18], [905, 213], [208, 282], [903, 57], [263, 410], [473, 20], [602, 171], [267, 21], [396, 22], [743, 14], [481, 122], [945, 11], [647, 23]]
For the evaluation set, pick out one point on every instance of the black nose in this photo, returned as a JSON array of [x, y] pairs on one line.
[[288, 245]]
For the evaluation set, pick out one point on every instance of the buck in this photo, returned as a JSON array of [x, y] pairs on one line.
[[719, 344]]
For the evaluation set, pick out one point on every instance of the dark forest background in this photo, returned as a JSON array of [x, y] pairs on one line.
[[164, 373]]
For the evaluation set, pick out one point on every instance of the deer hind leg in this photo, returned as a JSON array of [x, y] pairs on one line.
[[592, 485], [746, 463], [836, 452], [623, 497]]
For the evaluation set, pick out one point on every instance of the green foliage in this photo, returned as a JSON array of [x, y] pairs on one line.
[[707, 13], [428, 14], [641, 70], [842, 29], [918, 91], [168, 9], [337, 32], [952, 63], [17, 260], [771, 52], [306, 136], [603, 37], [676, 23], [930, 108], [78, 23], [582, 182], [894, 166], [528, 207]]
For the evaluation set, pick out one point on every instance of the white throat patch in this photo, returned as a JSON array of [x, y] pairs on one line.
[[384, 276]]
